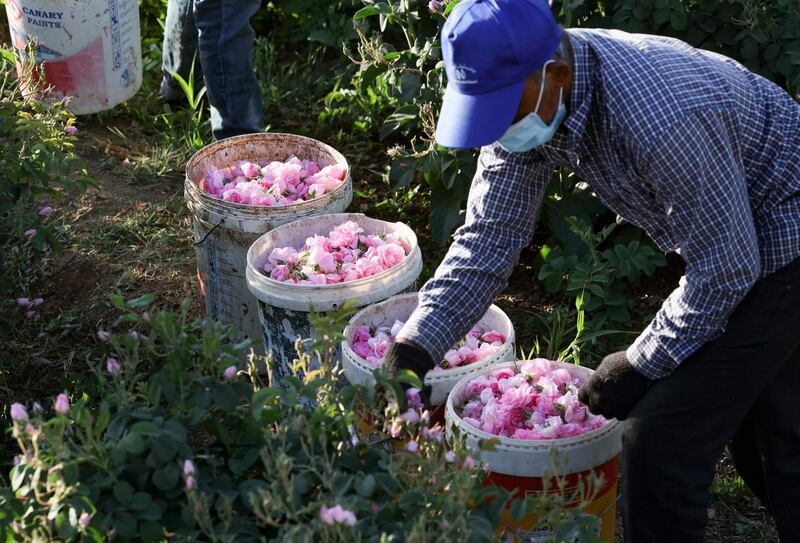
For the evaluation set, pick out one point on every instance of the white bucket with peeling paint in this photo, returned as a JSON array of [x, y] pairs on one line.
[[284, 307], [91, 50], [224, 231], [359, 371]]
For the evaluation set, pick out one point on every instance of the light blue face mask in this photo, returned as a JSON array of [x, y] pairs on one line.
[[531, 131]]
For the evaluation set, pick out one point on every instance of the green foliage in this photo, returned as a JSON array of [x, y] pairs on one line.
[[37, 162], [264, 459], [765, 36], [401, 80], [186, 125], [597, 278], [328, 24]]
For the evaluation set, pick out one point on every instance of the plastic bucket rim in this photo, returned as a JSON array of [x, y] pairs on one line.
[[610, 426], [444, 374], [355, 282], [297, 206]]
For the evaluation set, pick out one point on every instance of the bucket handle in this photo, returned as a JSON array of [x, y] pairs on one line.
[[196, 243]]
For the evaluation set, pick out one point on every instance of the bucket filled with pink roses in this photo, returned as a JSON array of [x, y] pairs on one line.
[[373, 329], [240, 187], [320, 263], [530, 409]]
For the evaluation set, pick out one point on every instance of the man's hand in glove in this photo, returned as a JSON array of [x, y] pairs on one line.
[[404, 355], [614, 388]]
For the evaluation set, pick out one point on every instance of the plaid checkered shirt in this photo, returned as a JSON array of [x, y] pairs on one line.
[[686, 144]]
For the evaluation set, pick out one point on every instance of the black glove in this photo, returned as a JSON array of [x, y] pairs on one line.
[[614, 388], [407, 356]]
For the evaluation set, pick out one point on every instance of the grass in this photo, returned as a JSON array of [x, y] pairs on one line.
[[158, 227], [736, 515]]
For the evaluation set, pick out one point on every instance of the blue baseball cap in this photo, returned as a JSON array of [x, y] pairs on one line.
[[489, 47]]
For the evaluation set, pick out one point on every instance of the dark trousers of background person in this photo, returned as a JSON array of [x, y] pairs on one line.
[[217, 35], [741, 390]]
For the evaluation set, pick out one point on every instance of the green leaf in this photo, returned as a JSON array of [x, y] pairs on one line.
[[145, 428], [141, 500], [166, 477], [125, 524], [141, 301], [366, 486], [261, 398], [597, 290], [661, 16], [164, 447], [445, 212], [117, 301], [65, 528], [123, 492], [749, 49], [151, 532], [450, 7], [410, 84], [401, 116], [678, 19], [251, 490], [225, 396], [363, 13], [133, 443]]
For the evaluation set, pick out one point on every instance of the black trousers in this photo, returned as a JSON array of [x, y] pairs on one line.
[[741, 390]]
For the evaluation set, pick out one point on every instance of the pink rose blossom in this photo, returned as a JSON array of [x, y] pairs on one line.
[[18, 412], [335, 258], [62, 404], [371, 344], [337, 515], [112, 366], [271, 184], [535, 400]]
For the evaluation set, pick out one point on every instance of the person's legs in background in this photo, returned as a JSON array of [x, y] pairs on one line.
[[225, 42], [179, 49]]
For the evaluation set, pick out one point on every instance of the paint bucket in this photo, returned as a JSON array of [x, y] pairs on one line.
[[90, 49], [358, 371], [527, 466], [284, 307], [224, 231]]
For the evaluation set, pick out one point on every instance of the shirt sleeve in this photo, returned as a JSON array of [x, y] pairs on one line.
[[505, 194], [698, 175]]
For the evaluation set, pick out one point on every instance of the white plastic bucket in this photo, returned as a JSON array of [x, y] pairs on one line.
[[91, 49], [524, 465], [224, 231], [359, 371], [284, 307]]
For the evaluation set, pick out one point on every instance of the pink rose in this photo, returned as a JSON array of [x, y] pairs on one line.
[[322, 260], [390, 254], [493, 336]]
